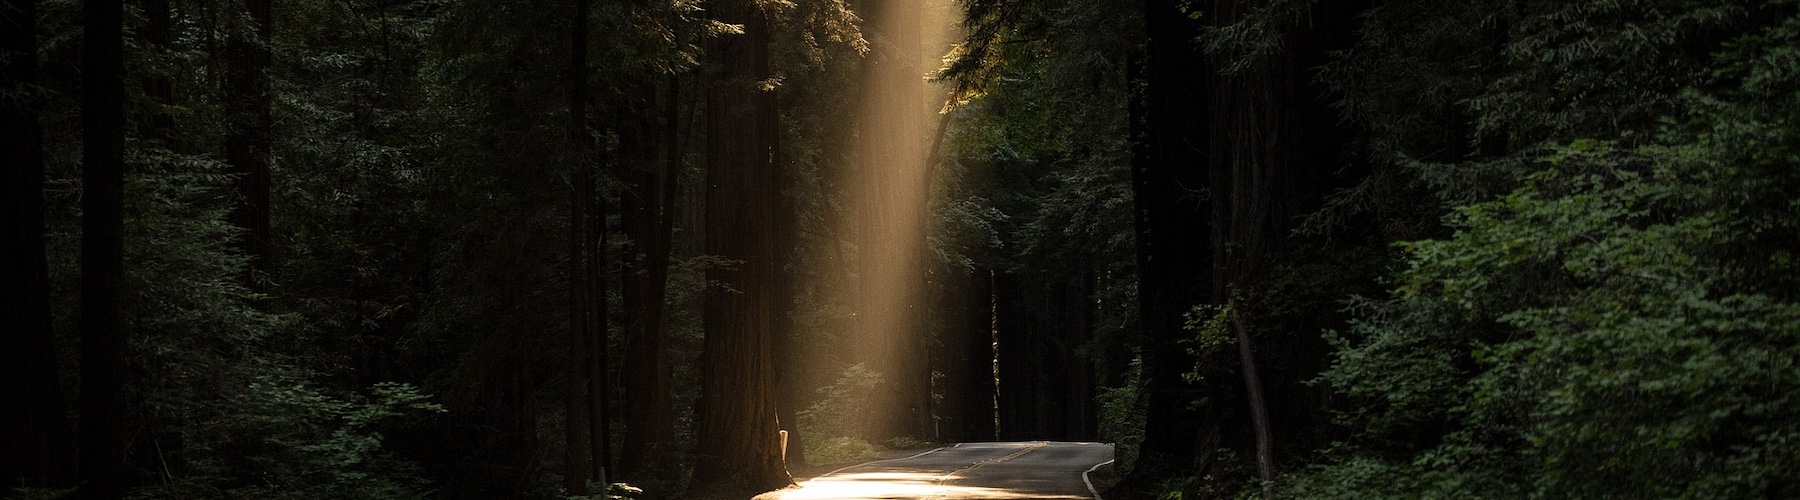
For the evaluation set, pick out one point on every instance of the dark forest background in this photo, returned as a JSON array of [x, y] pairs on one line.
[[527, 249]]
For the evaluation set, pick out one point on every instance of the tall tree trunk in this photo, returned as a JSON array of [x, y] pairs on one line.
[[978, 416], [1170, 225], [599, 380], [575, 404], [103, 335], [33, 432], [576, 407], [790, 392], [967, 354], [247, 135], [1013, 354], [1079, 412], [647, 219], [599, 370], [504, 399], [1274, 167], [739, 443], [892, 193], [1259, 414]]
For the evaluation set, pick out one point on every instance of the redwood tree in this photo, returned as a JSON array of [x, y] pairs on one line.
[[739, 444], [103, 366], [33, 435], [647, 218], [585, 453], [1167, 119], [891, 195]]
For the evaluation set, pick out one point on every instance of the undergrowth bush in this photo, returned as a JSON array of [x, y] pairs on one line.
[[823, 450], [843, 410]]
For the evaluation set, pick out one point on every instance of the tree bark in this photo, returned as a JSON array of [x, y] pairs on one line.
[[790, 392], [1259, 414], [575, 404], [739, 443], [979, 326], [103, 334], [1014, 356], [967, 354], [33, 432], [247, 136], [647, 219], [1275, 166], [1080, 414], [1170, 225], [577, 407], [892, 194], [599, 380]]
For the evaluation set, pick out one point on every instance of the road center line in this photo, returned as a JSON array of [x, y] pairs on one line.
[[848, 467], [939, 483]]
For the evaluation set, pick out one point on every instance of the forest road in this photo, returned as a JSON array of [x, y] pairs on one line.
[[1018, 470]]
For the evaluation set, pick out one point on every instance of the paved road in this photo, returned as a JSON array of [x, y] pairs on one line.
[[1036, 470]]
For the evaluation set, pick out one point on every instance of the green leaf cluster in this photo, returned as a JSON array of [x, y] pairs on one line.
[[1624, 321]]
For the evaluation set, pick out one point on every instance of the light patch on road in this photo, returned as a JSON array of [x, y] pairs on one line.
[[885, 485], [1004, 471]]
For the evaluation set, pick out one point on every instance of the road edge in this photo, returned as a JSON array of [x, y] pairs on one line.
[[1090, 481]]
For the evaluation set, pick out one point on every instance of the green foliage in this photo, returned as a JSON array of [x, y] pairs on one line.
[[1211, 326], [1669, 389], [844, 408], [1620, 326], [839, 450], [1042, 163], [1612, 316], [831, 429], [1121, 416], [908, 443], [1254, 38], [318, 446]]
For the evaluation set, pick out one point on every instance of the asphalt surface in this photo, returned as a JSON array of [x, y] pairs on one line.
[[1035, 469]]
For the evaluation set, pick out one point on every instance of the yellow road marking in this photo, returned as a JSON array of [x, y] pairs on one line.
[[947, 476]]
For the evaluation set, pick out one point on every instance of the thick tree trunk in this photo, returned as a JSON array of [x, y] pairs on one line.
[[968, 354], [1014, 357], [247, 135], [575, 405], [103, 334], [33, 432], [1275, 166], [1079, 412], [892, 193], [979, 418], [1170, 225], [506, 401], [791, 392], [1046, 387], [739, 440], [579, 409], [647, 219]]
